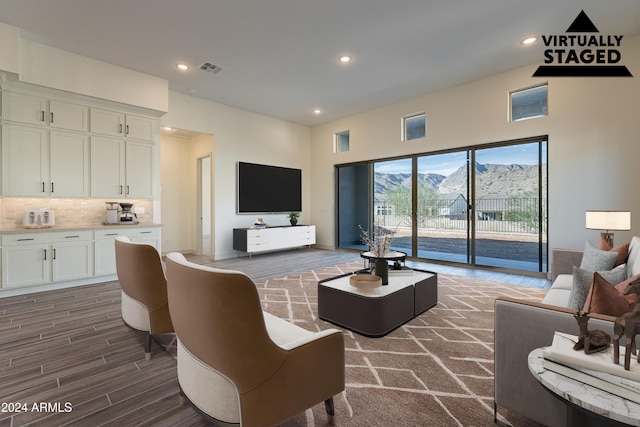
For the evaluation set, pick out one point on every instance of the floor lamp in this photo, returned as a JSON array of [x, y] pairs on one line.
[[608, 220]]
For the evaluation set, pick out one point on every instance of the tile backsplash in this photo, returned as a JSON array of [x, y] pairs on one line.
[[68, 212]]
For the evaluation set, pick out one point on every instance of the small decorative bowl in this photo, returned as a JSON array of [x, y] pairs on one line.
[[365, 282]]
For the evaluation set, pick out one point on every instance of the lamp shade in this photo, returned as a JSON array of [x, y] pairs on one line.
[[608, 220]]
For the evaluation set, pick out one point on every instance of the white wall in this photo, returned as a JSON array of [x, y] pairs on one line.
[[594, 142], [240, 136], [50, 67], [9, 46], [177, 197]]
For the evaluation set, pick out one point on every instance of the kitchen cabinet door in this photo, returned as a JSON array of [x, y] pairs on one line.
[[106, 122], [107, 167], [69, 116], [69, 153], [140, 127], [139, 170], [24, 108], [25, 161], [72, 260], [26, 265]]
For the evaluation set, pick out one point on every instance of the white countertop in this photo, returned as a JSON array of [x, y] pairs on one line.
[[20, 229]]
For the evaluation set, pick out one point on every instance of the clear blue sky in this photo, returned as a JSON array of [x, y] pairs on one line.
[[445, 164]]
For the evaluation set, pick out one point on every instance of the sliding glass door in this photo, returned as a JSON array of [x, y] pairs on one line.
[[484, 205], [510, 205], [392, 201], [443, 207]]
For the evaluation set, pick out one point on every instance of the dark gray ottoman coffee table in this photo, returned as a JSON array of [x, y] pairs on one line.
[[375, 314]]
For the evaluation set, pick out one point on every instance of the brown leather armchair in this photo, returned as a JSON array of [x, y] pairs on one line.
[[144, 289], [238, 364]]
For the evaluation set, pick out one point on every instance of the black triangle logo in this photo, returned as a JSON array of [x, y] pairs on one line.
[[582, 24]]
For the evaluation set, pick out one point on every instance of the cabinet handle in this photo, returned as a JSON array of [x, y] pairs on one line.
[[45, 254], [127, 129], [42, 119], [43, 186], [52, 117], [145, 232], [54, 254], [120, 131], [24, 240], [121, 189], [52, 187], [127, 189], [70, 237]]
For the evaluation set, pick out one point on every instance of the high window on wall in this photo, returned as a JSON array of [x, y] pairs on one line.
[[483, 205], [341, 142], [414, 127], [528, 103]]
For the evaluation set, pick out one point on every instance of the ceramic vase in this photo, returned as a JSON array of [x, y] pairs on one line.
[[381, 269]]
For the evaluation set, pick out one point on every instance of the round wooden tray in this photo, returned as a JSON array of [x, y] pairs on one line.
[[365, 282]]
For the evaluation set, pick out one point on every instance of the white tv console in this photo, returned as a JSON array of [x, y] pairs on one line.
[[253, 240]]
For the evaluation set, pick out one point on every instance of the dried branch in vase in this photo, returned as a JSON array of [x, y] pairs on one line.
[[380, 242]]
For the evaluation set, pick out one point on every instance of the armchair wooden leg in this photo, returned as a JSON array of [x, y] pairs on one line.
[[328, 406], [147, 347]]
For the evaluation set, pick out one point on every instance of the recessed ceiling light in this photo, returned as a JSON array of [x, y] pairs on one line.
[[345, 58], [183, 67], [529, 40], [317, 111]]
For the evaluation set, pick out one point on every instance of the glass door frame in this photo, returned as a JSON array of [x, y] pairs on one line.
[[471, 191]]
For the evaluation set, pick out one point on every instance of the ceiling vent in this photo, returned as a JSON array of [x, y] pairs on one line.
[[210, 68]]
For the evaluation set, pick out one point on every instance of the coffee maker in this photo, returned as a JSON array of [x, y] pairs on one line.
[[120, 213], [126, 215]]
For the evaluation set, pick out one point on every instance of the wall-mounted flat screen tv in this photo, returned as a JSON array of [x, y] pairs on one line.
[[268, 189]]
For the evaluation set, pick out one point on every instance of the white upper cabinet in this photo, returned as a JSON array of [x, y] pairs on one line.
[[114, 123], [36, 110], [39, 163], [59, 145], [121, 168]]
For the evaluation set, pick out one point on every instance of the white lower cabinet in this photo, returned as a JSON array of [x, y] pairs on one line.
[[105, 252], [41, 258], [59, 257], [253, 240]]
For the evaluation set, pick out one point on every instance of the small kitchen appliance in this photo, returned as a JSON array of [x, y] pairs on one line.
[[112, 213], [41, 218], [127, 216]]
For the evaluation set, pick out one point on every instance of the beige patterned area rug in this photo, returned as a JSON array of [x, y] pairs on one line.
[[436, 370]]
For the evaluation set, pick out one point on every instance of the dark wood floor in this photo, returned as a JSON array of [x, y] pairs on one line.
[[70, 351]]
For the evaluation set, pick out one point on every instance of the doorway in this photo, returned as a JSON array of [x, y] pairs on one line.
[[204, 241]]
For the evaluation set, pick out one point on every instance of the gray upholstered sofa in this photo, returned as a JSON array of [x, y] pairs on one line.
[[522, 326]]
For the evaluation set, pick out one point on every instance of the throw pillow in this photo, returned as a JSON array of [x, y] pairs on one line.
[[606, 299], [633, 260], [622, 250], [595, 259], [582, 280]]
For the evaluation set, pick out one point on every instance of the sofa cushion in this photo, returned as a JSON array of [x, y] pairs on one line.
[[558, 297], [633, 259], [622, 250], [563, 281], [595, 259], [582, 280], [604, 298]]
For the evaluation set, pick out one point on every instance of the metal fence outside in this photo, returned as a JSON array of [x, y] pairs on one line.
[[498, 214]]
